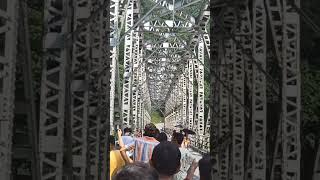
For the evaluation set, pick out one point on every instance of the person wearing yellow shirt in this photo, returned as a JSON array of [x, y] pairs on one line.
[[118, 158]]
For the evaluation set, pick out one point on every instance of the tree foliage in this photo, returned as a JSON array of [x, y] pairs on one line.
[[310, 66], [156, 117]]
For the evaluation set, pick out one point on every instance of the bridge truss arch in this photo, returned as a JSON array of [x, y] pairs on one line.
[[111, 63]]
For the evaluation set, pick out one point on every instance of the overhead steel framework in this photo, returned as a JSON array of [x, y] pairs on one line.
[[112, 63]]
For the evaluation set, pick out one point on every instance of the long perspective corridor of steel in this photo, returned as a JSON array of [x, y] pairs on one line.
[[226, 70]]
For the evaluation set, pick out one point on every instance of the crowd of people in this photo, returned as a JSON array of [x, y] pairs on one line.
[[151, 156]]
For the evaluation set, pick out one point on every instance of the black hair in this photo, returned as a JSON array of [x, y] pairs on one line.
[[127, 130], [179, 138], [162, 137], [166, 158], [112, 140], [205, 167], [136, 171], [150, 130]]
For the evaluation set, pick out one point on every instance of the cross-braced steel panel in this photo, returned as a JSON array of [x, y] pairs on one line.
[[128, 55], [53, 89], [291, 93], [201, 88], [238, 116], [135, 79], [79, 89], [114, 37], [98, 82], [259, 99]]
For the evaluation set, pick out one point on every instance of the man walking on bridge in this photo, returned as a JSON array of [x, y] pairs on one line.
[[145, 145]]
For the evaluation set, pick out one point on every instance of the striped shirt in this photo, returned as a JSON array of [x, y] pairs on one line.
[[143, 148]]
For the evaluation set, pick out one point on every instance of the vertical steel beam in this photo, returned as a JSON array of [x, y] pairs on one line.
[[238, 90], [291, 93], [79, 89], [259, 99], [114, 35], [53, 89], [8, 55], [136, 39], [25, 111], [99, 69], [238, 116], [135, 76], [207, 131], [274, 9], [139, 80], [275, 17], [185, 97], [200, 78], [190, 94], [128, 54], [227, 57]]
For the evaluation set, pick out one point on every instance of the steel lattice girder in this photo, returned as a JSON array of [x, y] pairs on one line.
[[79, 92], [126, 94], [192, 123], [87, 83], [98, 93], [114, 34], [276, 19], [275, 15], [163, 23], [53, 90], [8, 31], [259, 99], [224, 105], [190, 93], [291, 93], [170, 7], [136, 59], [199, 72], [238, 116], [291, 148]]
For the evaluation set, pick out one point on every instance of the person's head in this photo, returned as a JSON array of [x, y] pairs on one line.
[[166, 158], [174, 139], [112, 142], [157, 131], [150, 130], [205, 167], [178, 138], [162, 137], [127, 131], [136, 171]]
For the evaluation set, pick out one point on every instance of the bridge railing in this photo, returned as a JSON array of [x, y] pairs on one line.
[[200, 143]]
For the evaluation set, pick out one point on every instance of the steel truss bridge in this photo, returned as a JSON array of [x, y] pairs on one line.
[[252, 50]]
